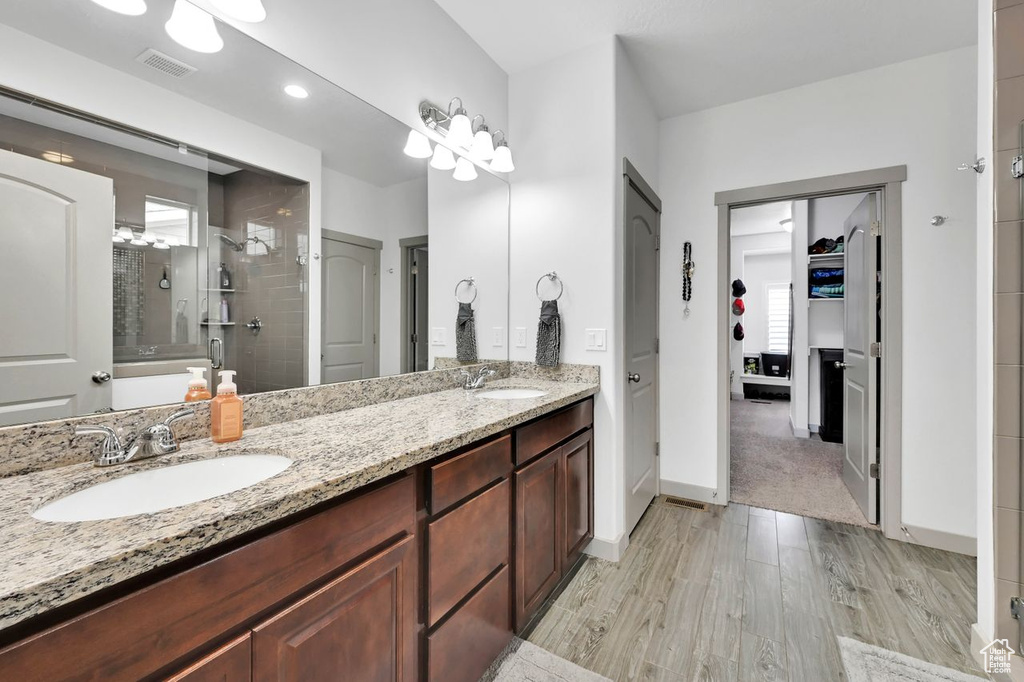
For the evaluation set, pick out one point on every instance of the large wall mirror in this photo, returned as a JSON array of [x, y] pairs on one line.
[[163, 209]]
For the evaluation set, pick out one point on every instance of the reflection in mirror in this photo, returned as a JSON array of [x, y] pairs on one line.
[[204, 218]]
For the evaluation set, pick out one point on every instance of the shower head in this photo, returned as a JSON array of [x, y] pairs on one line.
[[231, 242], [240, 246]]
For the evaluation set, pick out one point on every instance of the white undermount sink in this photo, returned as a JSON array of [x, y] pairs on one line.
[[154, 490], [511, 393]]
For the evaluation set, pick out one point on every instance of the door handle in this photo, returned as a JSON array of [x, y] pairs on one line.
[[841, 365], [633, 377], [101, 377]]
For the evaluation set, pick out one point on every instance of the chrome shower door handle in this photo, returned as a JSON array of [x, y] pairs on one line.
[[216, 353], [633, 377]]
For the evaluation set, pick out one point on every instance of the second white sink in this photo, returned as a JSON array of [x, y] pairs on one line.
[[172, 486], [511, 394]]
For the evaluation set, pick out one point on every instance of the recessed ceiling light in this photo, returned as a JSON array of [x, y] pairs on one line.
[[132, 8], [296, 91], [193, 28], [251, 11]]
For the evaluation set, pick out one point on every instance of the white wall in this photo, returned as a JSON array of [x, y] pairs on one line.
[[468, 227], [984, 329], [388, 214], [391, 53], [760, 270], [862, 121]]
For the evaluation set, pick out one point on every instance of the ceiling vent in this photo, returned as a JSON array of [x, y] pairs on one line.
[[165, 64]]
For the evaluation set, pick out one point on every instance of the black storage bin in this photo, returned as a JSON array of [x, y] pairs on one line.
[[831, 427], [775, 364]]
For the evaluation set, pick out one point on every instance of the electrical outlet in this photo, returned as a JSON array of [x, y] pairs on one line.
[[499, 337], [439, 336], [520, 337], [597, 339]]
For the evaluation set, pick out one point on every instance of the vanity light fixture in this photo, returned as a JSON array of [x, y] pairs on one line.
[[443, 159], [483, 144], [296, 91], [418, 145], [193, 28], [132, 8], [125, 234], [460, 130], [161, 244], [465, 171], [502, 162], [250, 11]]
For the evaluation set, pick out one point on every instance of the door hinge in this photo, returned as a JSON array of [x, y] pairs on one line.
[[876, 228], [375, 338], [657, 449], [873, 470], [1016, 607], [1017, 167], [876, 350], [414, 339], [657, 242], [657, 345]]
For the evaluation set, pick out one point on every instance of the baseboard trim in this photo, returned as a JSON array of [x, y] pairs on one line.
[[938, 539], [609, 550], [736, 395], [798, 433], [690, 491], [979, 641]]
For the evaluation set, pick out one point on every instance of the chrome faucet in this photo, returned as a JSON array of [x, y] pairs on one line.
[[471, 382], [154, 440]]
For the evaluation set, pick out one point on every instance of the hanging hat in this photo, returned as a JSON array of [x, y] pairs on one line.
[[737, 332], [737, 307], [738, 289]]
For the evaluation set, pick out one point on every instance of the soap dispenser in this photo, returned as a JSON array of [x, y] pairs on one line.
[[197, 386], [226, 410]]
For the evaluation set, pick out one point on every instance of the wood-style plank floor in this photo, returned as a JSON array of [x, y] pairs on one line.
[[747, 594]]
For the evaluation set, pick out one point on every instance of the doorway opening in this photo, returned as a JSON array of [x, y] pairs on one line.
[[415, 280], [811, 280]]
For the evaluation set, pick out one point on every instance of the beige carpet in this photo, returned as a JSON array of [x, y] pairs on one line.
[[522, 661], [866, 663], [774, 470]]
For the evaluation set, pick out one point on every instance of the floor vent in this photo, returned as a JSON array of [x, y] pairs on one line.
[[761, 402], [165, 64], [688, 504]]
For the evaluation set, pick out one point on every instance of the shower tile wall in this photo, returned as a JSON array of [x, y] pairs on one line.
[[270, 283], [1009, 303]]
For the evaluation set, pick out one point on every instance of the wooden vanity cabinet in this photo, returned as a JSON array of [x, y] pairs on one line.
[[554, 483]]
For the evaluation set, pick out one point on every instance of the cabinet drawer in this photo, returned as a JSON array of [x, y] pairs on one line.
[[461, 476], [179, 615], [465, 646], [542, 435], [230, 663], [465, 546]]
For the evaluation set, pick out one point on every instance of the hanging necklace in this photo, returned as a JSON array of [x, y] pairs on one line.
[[688, 267]]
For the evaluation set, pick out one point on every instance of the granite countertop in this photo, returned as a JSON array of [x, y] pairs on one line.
[[46, 565]]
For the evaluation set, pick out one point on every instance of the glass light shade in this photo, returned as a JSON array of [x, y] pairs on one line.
[[788, 226], [193, 28], [125, 234], [483, 146], [251, 11], [132, 8], [118, 239], [460, 132], [161, 244], [502, 162], [464, 170], [138, 241], [443, 158], [418, 145]]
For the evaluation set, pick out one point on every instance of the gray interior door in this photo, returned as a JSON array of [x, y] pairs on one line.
[[56, 279], [860, 379], [350, 349], [641, 331]]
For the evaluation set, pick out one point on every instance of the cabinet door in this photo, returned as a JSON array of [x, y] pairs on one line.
[[538, 523], [362, 624], [230, 663], [578, 496]]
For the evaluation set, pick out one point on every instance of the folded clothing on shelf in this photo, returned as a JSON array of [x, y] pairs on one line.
[[820, 276], [828, 291]]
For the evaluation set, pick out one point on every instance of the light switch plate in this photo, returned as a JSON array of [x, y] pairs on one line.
[[439, 336], [499, 337], [520, 337], [597, 339]]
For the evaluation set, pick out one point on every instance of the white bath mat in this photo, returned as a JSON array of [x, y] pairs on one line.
[[866, 663], [525, 662]]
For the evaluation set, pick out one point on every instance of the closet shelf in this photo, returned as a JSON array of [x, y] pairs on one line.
[[821, 300], [221, 291], [824, 257], [216, 324]]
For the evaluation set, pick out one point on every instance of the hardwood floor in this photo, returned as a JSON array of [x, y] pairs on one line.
[[742, 594]]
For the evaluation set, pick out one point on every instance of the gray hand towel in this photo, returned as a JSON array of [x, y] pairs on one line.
[[549, 334], [465, 334]]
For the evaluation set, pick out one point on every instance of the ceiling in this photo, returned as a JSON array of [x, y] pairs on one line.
[[697, 54], [760, 219], [244, 80]]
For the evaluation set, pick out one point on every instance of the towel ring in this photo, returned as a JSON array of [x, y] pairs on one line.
[[470, 281], [553, 276]]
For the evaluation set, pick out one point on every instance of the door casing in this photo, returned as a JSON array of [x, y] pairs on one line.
[[888, 183]]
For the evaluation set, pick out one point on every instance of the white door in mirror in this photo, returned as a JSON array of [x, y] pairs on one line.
[[154, 490]]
